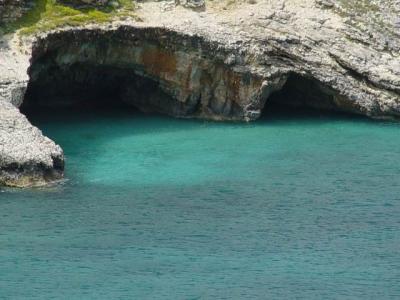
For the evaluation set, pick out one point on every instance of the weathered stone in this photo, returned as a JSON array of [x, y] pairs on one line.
[[27, 158], [188, 69], [196, 4], [325, 3]]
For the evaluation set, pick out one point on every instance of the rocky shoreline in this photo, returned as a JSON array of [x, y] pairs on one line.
[[215, 64]]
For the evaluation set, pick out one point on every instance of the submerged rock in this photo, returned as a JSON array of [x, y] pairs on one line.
[[223, 64]]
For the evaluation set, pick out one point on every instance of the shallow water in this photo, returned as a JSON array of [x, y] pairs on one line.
[[292, 206]]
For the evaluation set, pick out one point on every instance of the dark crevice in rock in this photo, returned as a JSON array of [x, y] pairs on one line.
[[79, 85], [90, 86], [302, 92]]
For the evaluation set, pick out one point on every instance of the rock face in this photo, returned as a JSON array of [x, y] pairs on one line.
[[224, 64], [27, 158], [150, 68], [194, 4]]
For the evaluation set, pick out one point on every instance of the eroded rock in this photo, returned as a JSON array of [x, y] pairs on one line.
[[188, 77], [27, 158]]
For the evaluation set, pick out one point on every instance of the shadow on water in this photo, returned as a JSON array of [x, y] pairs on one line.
[[285, 113], [86, 118], [121, 120], [131, 144]]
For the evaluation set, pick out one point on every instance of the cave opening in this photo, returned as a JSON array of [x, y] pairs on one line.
[[86, 87], [302, 96]]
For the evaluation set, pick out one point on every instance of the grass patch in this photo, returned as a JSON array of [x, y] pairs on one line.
[[28, 19], [48, 15]]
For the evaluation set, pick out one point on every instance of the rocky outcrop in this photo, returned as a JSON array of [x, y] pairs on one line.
[[193, 76], [27, 158], [224, 64], [151, 68], [194, 4]]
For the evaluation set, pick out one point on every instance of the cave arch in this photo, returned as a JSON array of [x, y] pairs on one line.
[[152, 69], [160, 71], [304, 92]]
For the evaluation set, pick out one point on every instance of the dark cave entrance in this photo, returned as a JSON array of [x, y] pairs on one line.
[[85, 86], [88, 87], [303, 96], [77, 86]]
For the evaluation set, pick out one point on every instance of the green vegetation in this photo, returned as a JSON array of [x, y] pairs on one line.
[[49, 14]]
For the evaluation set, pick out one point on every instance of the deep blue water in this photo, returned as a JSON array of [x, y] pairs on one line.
[[293, 206]]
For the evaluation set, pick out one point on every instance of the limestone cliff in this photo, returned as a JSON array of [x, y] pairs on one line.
[[224, 63]]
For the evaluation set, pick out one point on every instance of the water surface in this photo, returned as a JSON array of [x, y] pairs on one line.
[[293, 206]]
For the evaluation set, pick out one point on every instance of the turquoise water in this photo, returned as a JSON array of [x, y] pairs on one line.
[[293, 206]]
